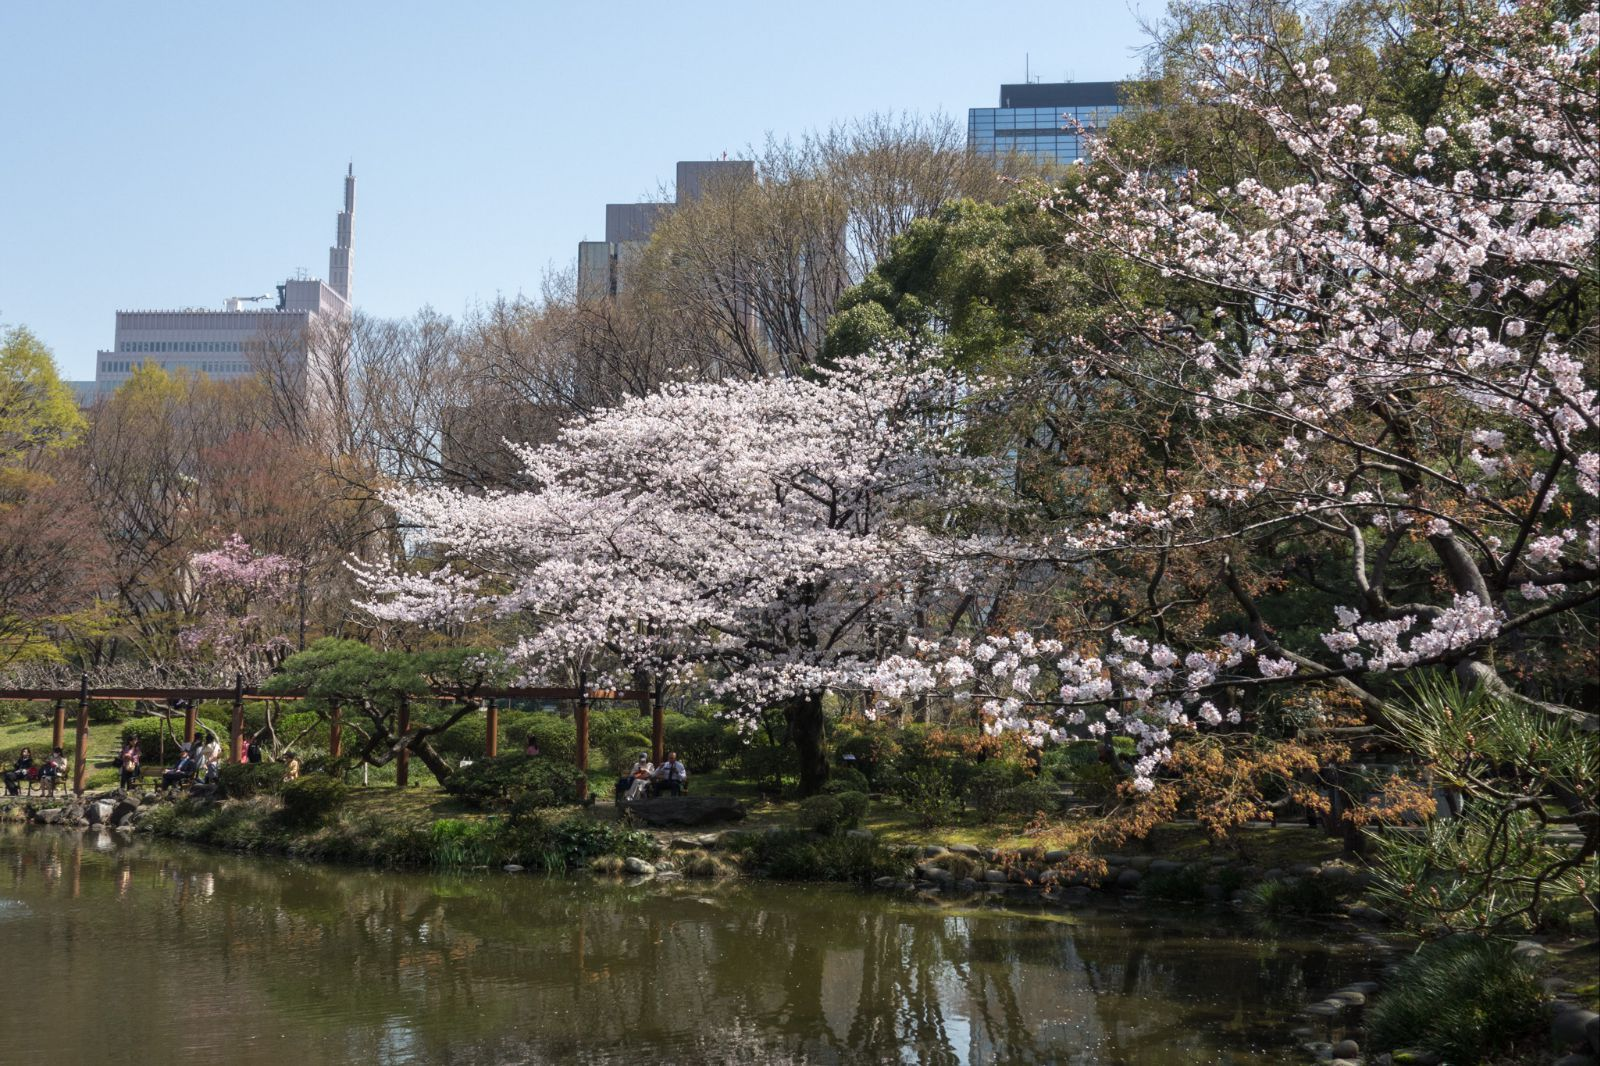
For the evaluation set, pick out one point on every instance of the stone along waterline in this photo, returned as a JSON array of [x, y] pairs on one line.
[[119, 947]]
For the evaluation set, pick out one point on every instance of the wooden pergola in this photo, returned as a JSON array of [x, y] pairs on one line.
[[581, 696]]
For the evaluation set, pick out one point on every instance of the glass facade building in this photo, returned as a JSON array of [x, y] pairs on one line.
[[1049, 122]]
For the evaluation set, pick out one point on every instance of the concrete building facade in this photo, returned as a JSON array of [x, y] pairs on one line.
[[231, 342], [603, 264]]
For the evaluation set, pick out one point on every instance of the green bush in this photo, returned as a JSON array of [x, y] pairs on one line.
[[557, 737], [459, 843], [847, 779], [833, 812], [1028, 798], [622, 751], [703, 744], [1296, 897], [518, 779], [799, 856], [875, 746], [985, 784], [1464, 997], [310, 800], [768, 764], [241, 780]]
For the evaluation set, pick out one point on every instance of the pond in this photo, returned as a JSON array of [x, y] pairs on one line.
[[134, 950]]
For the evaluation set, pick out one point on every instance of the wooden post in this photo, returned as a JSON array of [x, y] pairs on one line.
[[402, 764], [336, 732], [58, 734], [80, 762], [491, 737], [581, 720], [236, 727], [188, 722], [658, 726]]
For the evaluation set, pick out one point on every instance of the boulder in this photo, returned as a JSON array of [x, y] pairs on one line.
[[123, 812], [1129, 878], [99, 812], [51, 816], [1165, 866], [511, 868], [971, 850], [685, 810], [637, 867], [1055, 855], [994, 877], [1570, 1029], [859, 834]]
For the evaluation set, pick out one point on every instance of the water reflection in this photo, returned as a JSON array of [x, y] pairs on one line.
[[213, 957]]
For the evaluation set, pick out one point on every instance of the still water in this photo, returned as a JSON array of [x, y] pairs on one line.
[[115, 950]]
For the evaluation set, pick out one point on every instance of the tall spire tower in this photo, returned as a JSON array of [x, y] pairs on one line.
[[339, 255]]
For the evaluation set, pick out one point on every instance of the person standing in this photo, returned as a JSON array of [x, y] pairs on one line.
[[128, 765]]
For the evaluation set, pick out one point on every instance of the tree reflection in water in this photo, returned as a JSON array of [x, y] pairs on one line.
[[313, 964]]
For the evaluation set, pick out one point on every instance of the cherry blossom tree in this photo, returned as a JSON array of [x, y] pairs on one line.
[[776, 536], [237, 591], [1391, 357]]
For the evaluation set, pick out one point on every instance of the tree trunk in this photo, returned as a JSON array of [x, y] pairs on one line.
[[804, 714], [424, 751]]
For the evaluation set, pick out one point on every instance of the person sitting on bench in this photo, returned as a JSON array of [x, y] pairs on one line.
[[19, 772], [185, 768], [54, 767], [639, 787], [670, 776]]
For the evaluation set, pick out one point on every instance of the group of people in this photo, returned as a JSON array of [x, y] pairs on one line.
[[49, 772], [199, 761], [646, 779]]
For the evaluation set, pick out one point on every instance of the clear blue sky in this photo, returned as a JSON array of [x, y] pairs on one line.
[[173, 154]]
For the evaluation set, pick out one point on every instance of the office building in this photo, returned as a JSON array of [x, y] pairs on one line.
[[1049, 122], [603, 264], [232, 342]]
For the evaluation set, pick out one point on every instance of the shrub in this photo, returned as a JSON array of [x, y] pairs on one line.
[[847, 779], [986, 782], [310, 800], [1464, 997], [622, 750], [516, 779], [575, 841], [768, 764], [1028, 798], [1297, 896], [557, 737], [241, 780], [704, 865], [874, 744], [833, 813], [703, 744], [457, 843], [799, 856]]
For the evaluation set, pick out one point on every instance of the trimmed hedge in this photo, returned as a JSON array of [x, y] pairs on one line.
[[516, 779]]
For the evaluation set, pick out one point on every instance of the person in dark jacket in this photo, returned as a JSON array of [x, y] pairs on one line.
[[19, 772]]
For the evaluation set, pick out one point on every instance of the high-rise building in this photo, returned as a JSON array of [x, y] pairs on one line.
[[1049, 122], [230, 343], [602, 264]]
